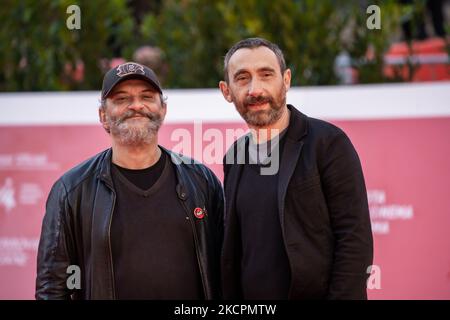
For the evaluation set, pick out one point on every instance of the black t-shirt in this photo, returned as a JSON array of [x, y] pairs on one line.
[[152, 242], [144, 178], [265, 271]]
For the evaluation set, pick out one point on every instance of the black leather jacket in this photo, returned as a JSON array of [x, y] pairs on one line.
[[76, 228]]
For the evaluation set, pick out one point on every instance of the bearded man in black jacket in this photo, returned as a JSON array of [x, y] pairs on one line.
[[136, 221], [297, 221]]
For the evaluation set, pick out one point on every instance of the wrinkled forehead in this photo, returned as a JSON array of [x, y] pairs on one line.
[[252, 60]]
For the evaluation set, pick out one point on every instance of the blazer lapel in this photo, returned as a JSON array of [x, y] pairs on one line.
[[232, 174], [291, 153]]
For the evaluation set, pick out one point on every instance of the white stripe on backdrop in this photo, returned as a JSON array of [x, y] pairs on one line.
[[384, 101]]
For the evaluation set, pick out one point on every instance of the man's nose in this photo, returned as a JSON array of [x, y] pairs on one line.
[[136, 104], [255, 89]]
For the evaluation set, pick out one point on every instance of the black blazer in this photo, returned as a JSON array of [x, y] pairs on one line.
[[323, 211]]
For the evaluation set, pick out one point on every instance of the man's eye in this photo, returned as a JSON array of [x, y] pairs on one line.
[[148, 97]]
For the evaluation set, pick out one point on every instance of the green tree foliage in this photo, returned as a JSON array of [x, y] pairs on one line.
[[195, 35], [191, 34], [38, 51], [368, 47]]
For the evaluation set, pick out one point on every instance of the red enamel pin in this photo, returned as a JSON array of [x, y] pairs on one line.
[[199, 213]]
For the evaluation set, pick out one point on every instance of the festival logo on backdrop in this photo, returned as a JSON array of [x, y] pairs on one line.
[[7, 198]]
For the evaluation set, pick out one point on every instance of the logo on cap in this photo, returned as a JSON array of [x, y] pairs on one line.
[[199, 213], [129, 68]]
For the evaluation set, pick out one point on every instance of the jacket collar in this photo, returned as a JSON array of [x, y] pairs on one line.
[[297, 129], [298, 124], [105, 168], [177, 160]]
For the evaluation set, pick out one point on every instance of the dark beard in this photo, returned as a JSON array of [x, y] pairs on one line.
[[261, 118]]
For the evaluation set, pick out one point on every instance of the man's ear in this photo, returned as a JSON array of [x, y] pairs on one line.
[[225, 91], [164, 110], [102, 118], [287, 79]]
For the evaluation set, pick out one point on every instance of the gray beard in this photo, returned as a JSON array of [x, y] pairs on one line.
[[135, 136]]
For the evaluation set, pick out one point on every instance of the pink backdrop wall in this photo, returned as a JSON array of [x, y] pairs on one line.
[[406, 166]]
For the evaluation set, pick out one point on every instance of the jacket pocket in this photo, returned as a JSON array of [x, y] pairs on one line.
[[306, 206]]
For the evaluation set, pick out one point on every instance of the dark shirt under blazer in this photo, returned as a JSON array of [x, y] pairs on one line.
[[324, 214]]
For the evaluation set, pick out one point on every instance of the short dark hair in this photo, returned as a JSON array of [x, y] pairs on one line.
[[252, 43]]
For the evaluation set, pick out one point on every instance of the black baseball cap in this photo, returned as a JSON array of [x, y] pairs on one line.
[[126, 71]]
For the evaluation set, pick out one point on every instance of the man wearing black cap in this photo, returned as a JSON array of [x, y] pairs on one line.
[[135, 221]]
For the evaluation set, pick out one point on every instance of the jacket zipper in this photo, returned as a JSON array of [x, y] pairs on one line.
[[194, 231], [109, 243]]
